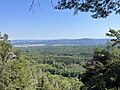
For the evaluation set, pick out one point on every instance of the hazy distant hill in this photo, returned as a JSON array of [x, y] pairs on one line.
[[84, 41]]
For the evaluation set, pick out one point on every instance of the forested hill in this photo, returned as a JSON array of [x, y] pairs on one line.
[[84, 41]]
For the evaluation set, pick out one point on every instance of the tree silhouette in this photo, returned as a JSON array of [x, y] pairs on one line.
[[115, 35], [99, 8]]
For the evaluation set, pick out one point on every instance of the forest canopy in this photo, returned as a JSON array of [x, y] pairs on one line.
[[60, 68]]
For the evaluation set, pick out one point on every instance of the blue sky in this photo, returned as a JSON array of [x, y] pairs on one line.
[[48, 23]]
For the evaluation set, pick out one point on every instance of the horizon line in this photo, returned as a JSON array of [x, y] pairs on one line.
[[56, 38]]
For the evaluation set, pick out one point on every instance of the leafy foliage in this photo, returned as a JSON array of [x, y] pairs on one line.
[[100, 8], [103, 71], [59, 68], [115, 35], [5, 48], [20, 73]]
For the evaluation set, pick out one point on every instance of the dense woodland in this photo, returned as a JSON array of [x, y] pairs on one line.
[[60, 67], [64, 67]]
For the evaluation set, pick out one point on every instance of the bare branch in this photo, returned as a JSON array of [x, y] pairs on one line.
[[52, 3], [32, 5], [35, 3]]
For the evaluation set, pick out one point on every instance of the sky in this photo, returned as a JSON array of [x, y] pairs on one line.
[[49, 23]]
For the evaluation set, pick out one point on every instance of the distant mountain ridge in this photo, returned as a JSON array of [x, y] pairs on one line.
[[83, 41]]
